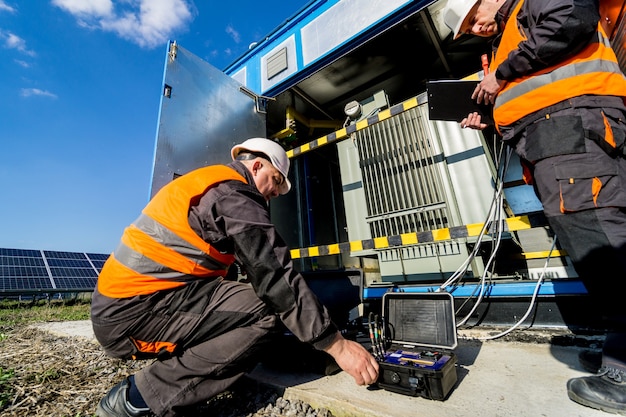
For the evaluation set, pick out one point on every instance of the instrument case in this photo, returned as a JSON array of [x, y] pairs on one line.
[[417, 356]]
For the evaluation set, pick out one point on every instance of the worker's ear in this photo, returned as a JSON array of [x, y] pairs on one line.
[[256, 165]]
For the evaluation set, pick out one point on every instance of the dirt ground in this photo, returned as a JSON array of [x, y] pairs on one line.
[[55, 376], [45, 375]]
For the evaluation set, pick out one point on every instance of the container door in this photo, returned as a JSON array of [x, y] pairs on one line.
[[203, 113]]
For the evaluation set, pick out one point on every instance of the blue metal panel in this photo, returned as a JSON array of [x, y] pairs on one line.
[[505, 289], [323, 31], [522, 198]]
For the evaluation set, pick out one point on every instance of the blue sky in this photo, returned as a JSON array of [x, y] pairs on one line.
[[80, 91]]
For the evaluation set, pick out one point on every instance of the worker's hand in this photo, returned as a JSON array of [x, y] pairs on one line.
[[487, 90], [354, 359], [473, 121]]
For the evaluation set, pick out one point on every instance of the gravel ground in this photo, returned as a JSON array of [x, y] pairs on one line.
[[45, 375]]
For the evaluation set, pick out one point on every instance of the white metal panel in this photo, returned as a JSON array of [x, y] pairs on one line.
[[240, 76], [341, 22]]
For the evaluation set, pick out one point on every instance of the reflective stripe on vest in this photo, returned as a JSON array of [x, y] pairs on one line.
[[594, 70], [160, 250]]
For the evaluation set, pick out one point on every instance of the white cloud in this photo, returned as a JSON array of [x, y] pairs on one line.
[[6, 8], [86, 8], [22, 63], [147, 23], [233, 33], [28, 92], [12, 41]]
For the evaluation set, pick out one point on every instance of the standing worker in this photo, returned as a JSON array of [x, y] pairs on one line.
[[558, 97], [161, 294]]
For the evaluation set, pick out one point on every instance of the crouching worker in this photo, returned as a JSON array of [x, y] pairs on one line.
[[162, 293]]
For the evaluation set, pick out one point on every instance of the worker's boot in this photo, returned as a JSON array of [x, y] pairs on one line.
[[590, 360], [116, 404], [605, 391]]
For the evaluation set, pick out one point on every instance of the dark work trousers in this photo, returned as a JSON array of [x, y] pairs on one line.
[[584, 199], [220, 328]]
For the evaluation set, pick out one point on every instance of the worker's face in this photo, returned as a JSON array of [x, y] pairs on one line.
[[268, 179], [482, 19]]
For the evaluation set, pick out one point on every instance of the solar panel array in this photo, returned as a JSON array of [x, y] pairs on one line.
[[27, 271]]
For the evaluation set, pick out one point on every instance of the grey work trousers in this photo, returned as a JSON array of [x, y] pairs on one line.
[[220, 327], [583, 193]]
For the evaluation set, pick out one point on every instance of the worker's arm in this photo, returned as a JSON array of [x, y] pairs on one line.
[[555, 30], [234, 217], [353, 359], [269, 269]]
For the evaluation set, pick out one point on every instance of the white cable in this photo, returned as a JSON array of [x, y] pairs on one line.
[[494, 211], [494, 218], [497, 221], [532, 300], [494, 251]]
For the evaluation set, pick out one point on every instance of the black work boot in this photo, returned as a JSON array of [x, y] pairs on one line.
[[116, 404], [590, 360], [605, 391]]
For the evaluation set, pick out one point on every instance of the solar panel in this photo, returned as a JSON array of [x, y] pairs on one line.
[[64, 255], [27, 270], [97, 256], [97, 259], [19, 252]]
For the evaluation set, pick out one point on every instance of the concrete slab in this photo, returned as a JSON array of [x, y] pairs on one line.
[[495, 378], [81, 328]]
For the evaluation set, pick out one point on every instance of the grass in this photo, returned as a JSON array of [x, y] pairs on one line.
[[18, 313], [6, 391]]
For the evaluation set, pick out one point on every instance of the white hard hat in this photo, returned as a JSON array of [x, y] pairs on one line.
[[275, 153], [455, 13]]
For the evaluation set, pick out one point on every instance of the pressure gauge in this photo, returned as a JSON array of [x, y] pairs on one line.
[[353, 109]]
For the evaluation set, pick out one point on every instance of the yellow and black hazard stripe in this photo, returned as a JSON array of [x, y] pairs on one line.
[[347, 131], [439, 235]]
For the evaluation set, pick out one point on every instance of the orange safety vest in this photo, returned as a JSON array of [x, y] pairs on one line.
[[594, 70], [160, 251]]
